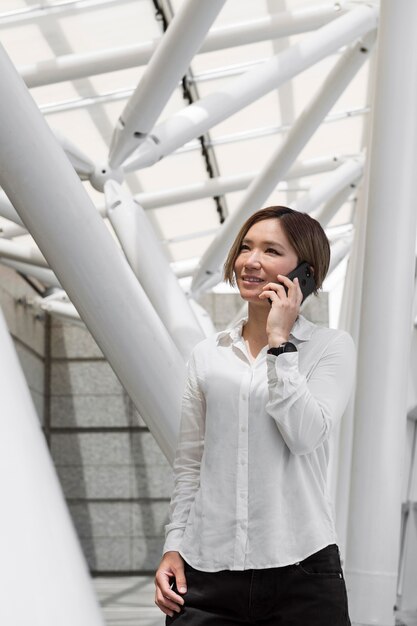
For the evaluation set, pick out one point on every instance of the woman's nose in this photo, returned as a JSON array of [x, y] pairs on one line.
[[253, 259]]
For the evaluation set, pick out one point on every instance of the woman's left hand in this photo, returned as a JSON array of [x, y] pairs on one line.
[[284, 308]]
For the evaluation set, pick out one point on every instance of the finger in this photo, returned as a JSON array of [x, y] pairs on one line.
[[294, 290], [167, 603], [180, 579], [279, 289], [162, 582], [272, 295]]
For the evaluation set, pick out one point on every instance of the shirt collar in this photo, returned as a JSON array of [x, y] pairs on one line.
[[302, 330]]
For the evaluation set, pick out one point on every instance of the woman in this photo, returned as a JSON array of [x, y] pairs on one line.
[[251, 538]]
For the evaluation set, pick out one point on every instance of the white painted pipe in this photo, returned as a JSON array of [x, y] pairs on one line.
[[184, 267], [199, 117], [168, 65], [8, 211], [82, 163], [64, 310], [21, 252], [87, 262], [275, 169], [44, 275], [329, 209], [11, 230], [73, 66], [196, 191], [228, 184], [43, 573], [385, 324], [345, 175], [146, 257], [339, 250]]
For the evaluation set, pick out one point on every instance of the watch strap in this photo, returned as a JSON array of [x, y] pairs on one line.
[[287, 346]]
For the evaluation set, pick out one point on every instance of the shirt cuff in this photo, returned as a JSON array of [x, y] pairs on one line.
[[173, 540], [284, 365]]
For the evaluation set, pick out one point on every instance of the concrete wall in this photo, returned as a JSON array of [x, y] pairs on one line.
[[28, 331]]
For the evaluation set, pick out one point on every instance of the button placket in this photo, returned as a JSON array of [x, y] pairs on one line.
[[242, 471]]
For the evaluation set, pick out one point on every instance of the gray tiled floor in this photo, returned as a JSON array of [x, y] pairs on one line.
[[129, 601]]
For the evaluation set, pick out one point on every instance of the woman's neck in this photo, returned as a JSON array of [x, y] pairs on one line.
[[255, 327]]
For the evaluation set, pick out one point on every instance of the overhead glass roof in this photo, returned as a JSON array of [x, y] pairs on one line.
[[86, 109]]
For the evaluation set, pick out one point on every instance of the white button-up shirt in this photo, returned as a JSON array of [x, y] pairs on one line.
[[251, 463]]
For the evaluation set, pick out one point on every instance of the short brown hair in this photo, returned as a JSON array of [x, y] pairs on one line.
[[304, 233]]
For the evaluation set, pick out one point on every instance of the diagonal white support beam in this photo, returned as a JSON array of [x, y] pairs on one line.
[[196, 191], [43, 274], [8, 211], [335, 182], [73, 66], [82, 163], [146, 257], [11, 230], [22, 252], [35, 524], [386, 319], [87, 261], [198, 118], [167, 66], [262, 186], [329, 209]]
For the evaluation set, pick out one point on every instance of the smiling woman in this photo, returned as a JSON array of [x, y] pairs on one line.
[[251, 538]]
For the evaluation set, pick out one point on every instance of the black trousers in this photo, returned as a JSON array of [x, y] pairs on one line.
[[309, 593]]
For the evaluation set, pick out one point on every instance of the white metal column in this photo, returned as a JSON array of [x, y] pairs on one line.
[[385, 324], [35, 173], [43, 574]]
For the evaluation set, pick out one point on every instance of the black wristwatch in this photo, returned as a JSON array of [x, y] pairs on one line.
[[287, 346]]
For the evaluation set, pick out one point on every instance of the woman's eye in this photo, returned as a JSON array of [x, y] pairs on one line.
[[273, 251], [244, 247]]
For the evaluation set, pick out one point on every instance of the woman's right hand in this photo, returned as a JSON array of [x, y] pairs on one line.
[[171, 567]]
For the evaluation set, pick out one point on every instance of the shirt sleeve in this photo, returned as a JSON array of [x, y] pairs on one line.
[[187, 460], [305, 411]]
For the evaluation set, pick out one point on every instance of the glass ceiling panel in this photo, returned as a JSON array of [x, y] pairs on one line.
[[90, 126]]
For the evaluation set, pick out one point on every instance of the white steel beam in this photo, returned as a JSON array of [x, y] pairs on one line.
[[255, 133], [35, 525], [10, 230], [22, 252], [8, 211], [87, 261], [329, 209], [228, 184], [43, 274], [146, 257], [313, 201], [164, 71], [74, 66], [38, 11], [82, 163], [196, 119], [197, 191], [65, 310], [385, 324], [262, 186]]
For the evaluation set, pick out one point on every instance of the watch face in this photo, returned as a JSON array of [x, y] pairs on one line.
[[288, 347]]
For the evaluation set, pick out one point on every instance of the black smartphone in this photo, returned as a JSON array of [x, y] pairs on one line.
[[305, 279]]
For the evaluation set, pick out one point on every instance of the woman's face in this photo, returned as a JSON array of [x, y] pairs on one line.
[[264, 253]]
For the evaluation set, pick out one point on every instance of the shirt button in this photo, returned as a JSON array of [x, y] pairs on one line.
[[242, 461], [243, 429], [244, 396]]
